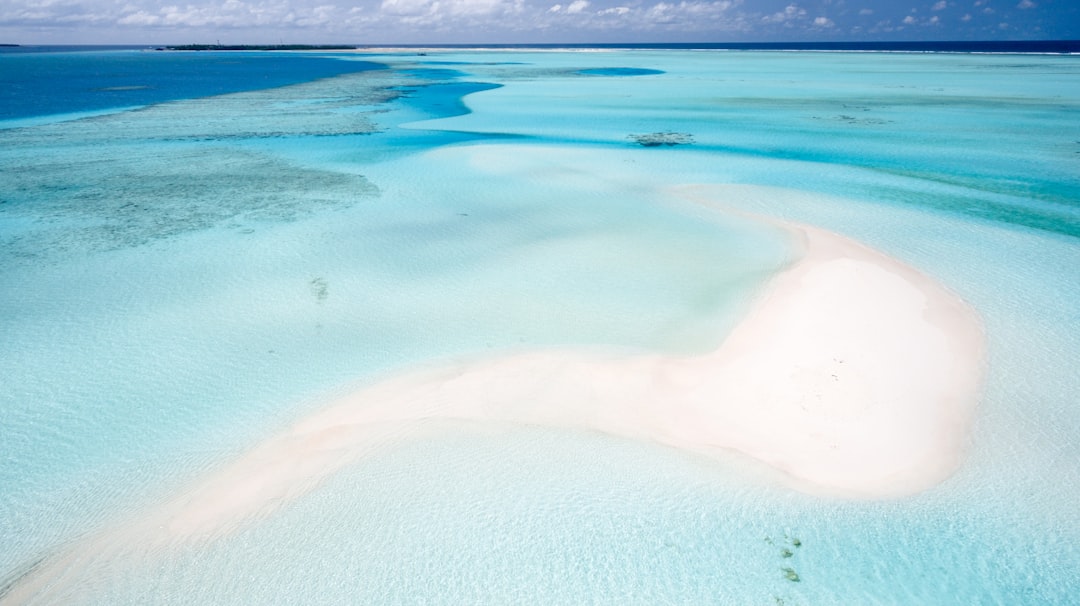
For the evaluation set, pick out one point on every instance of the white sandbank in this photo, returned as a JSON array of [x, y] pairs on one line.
[[854, 375]]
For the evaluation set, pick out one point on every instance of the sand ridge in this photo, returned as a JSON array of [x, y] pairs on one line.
[[854, 375]]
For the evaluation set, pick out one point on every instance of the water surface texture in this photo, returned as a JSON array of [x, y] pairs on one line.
[[198, 250]]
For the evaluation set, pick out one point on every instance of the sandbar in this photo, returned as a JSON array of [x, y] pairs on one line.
[[852, 375]]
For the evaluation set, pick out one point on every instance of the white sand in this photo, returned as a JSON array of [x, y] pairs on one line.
[[854, 375]]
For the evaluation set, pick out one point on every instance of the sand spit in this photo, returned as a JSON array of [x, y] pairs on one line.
[[853, 375]]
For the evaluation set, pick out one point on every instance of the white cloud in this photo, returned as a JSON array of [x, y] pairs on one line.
[[440, 13], [577, 6], [684, 12], [663, 15], [405, 7], [660, 8], [791, 12], [705, 8], [231, 14], [139, 18], [683, 16], [319, 16], [422, 21], [478, 7]]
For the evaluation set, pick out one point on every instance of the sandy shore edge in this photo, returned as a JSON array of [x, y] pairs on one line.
[[854, 375]]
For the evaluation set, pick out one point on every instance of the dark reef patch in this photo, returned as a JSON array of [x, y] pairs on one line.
[[120, 200], [619, 71], [666, 138]]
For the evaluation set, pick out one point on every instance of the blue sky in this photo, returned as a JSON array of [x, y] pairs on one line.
[[529, 21]]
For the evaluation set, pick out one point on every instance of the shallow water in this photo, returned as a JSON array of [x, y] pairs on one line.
[[180, 280]]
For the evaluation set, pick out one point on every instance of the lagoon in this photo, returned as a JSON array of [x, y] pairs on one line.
[[422, 319]]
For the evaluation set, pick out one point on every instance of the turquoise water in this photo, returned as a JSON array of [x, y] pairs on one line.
[[182, 279]]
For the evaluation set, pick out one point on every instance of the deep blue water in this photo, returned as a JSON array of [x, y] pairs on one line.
[[443, 99], [41, 84], [947, 46]]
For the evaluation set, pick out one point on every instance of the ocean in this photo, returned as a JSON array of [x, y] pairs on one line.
[[199, 250]]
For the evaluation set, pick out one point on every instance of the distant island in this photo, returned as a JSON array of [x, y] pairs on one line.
[[259, 47]]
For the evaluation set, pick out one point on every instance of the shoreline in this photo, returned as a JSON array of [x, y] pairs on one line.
[[852, 375]]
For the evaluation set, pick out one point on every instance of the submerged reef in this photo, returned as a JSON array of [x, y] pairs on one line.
[[343, 105], [147, 198], [132, 177], [667, 138]]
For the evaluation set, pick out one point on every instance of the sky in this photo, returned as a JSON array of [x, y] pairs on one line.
[[529, 21]]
